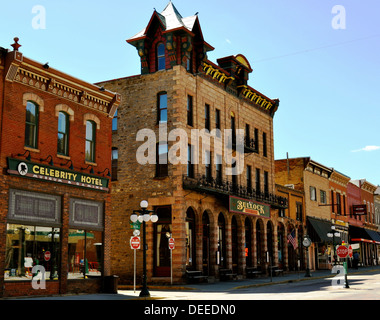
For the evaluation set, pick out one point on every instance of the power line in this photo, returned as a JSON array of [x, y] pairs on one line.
[[315, 49]]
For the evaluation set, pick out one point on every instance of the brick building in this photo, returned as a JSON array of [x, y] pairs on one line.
[[219, 221], [55, 154], [330, 198]]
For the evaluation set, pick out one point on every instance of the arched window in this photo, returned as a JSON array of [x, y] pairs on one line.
[[161, 57], [90, 140], [31, 125], [63, 133]]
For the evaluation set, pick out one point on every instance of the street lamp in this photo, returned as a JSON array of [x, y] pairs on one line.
[[143, 217], [307, 243], [333, 234]]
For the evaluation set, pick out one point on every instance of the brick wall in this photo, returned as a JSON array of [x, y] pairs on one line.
[[136, 182]]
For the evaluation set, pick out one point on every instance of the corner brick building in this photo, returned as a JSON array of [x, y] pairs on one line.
[[55, 154], [222, 224]]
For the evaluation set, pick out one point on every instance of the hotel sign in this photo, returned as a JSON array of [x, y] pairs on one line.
[[245, 206], [48, 173]]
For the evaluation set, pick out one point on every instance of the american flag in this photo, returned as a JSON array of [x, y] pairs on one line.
[[292, 239]]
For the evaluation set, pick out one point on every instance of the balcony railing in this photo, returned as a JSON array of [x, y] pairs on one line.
[[222, 187]]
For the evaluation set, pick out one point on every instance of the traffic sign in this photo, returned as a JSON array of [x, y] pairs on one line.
[[171, 243], [350, 251], [135, 242], [47, 255], [342, 251]]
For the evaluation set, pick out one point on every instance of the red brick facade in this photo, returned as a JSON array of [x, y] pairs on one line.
[[22, 81]]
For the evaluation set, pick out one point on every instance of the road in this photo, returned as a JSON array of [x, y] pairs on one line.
[[361, 287]]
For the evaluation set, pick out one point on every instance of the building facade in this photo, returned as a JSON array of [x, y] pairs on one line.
[[177, 126], [337, 210], [55, 150]]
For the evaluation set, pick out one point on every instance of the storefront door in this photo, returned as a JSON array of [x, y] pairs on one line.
[[162, 233]]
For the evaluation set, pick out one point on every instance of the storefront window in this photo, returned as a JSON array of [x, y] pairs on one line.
[[28, 246], [85, 253]]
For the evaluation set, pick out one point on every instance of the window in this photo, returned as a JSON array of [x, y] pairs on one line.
[[249, 178], [85, 243], [115, 159], [332, 201], [28, 246], [162, 160], [247, 135], [207, 117], [266, 182], [190, 165], [233, 128], [257, 140], [208, 165], [63, 133], [85, 253], [299, 211], [114, 122], [338, 204], [161, 57], [322, 195], [190, 110], [258, 187], [264, 144], [162, 108], [218, 168], [31, 125], [217, 123], [313, 195], [90, 141]]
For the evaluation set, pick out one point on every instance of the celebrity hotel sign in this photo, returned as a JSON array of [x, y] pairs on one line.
[[42, 172], [245, 206]]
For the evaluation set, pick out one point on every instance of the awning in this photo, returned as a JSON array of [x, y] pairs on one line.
[[358, 234], [318, 230]]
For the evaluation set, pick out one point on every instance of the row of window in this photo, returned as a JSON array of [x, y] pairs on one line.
[[63, 132], [338, 203], [162, 117]]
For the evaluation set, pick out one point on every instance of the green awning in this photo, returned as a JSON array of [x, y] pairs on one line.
[[318, 230]]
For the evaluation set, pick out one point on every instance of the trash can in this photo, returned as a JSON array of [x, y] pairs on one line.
[[110, 284]]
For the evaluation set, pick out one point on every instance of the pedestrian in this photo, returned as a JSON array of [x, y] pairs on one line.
[[356, 260]]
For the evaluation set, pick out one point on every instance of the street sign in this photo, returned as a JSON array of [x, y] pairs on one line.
[[171, 243], [350, 251], [135, 242], [135, 225], [47, 255], [342, 251]]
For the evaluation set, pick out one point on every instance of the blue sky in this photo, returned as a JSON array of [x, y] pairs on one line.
[[327, 79]]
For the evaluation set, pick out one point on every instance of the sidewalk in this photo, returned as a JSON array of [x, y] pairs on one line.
[[127, 293]]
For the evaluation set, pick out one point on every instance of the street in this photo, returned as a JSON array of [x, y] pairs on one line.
[[361, 287]]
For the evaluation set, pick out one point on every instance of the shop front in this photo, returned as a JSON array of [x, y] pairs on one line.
[[54, 233]]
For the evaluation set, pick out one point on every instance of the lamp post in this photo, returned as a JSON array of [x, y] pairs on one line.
[[306, 243], [333, 234], [144, 216]]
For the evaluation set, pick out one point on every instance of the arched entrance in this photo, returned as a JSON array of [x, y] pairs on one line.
[[222, 248], [190, 240], [205, 244], [270, 243], [260, 261], [292, 254], [280, 244], [248, 242], [235, 245], [161, 252]]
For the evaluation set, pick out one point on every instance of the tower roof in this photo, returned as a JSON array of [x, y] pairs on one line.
[[170, 19]]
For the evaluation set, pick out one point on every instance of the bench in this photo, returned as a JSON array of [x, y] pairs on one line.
[[253, 272], [194, 275], [276, 271], [225, 274]]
